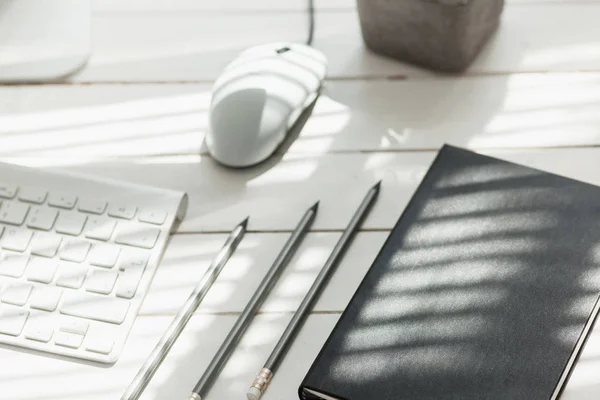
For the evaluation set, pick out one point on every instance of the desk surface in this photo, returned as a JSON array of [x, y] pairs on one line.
[[138, 112]]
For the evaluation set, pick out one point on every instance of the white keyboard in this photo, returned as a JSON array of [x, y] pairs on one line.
[[77, 255]]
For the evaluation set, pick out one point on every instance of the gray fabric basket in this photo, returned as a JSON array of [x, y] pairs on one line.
[[444, 35]]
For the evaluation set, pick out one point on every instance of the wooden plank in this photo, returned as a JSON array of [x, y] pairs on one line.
[[193, 46], [274, 197], [188, 46], [28, 376], [238, 6], [99, 121], [532, 110], [92, 121], [275, 194], [188, 257]]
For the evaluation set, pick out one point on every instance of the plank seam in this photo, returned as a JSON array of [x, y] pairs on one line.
[[366, 78]]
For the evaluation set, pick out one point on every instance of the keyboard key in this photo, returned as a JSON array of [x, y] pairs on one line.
[[41, 269], [74, 325], [67, 339], [45, 244], [98, 344], [32, 195], [13, 213], [92, 206], [12, 319], [132, 258], [101, 281], [40, 331], [17, 293], [138, 235], [121, 211], [156, 217], [71, 275], [45, 298], [70, 223], [75, 250], [99, 228], [16, 239], [129, 282], [96, 307], [42, 218], [62, 201], [8, 191], [104, 255], [13, 265]]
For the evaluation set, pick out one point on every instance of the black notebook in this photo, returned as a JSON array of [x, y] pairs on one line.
[[485, 289]]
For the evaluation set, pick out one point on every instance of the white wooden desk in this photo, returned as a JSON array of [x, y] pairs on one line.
[[138, 112]]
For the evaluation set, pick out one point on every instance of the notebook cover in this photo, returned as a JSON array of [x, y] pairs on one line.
[[486, 288]]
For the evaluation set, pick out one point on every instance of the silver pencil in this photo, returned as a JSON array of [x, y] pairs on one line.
[[243, 322], [161, 350], [260, 384]]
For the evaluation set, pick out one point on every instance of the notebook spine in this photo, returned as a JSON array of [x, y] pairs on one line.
[[307, 394]]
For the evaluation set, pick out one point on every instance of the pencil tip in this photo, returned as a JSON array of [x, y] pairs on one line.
[[315, 206], [377, 186], [244, 223]]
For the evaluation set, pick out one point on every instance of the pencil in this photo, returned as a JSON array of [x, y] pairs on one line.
[[139, 383], [243, 322], [263, 379]]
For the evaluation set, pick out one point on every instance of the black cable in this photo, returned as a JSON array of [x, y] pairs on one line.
[[311, 22]]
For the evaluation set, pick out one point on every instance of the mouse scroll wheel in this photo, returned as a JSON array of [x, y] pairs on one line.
[[283, 50]]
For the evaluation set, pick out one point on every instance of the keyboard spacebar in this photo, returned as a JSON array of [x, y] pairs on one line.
[[99, 308]]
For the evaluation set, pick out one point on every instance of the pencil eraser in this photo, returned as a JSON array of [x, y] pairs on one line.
[[253, 394]]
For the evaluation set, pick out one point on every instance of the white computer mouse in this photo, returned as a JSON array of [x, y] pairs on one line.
[[258, 98]]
